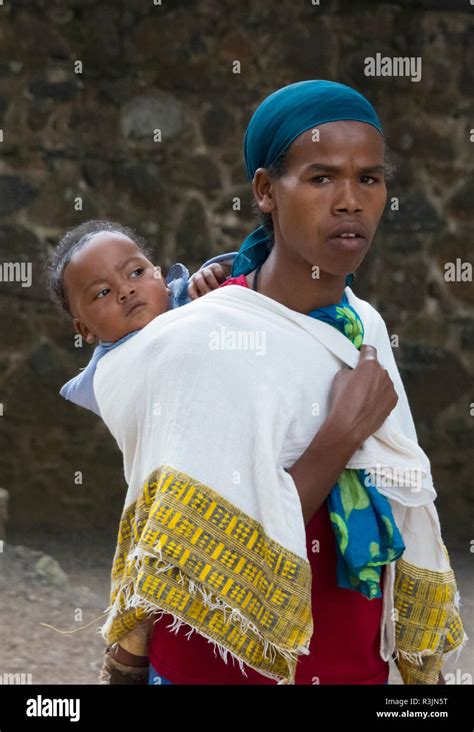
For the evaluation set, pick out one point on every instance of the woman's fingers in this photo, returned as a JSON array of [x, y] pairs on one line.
[[367, 353], [362, 398]]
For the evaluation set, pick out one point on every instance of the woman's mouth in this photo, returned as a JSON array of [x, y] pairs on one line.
[[348, 241]]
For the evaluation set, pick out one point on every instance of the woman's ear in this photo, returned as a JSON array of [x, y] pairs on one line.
[[262, 190], [84, 331]]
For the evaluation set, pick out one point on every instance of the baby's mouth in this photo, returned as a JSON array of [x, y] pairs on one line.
[[134, 307]]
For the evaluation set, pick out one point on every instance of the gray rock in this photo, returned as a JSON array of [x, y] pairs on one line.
[[461, 204], [22, 563], [49, 570], [61, 91], [467, 334], [43, 359], [19, 244], [143, 185], [3, 513], [434, 378], [3, 108], [143, 114], [461, 432], [200, 172], [15, 193], [449, 248], [61, 16], [218, 125], [415, 214], [433, 5], [83, 597], [193, 238]]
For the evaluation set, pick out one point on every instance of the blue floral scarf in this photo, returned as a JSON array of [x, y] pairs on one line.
[[367, 536]]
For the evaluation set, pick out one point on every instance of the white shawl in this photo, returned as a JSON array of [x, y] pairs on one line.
[[228, 391]]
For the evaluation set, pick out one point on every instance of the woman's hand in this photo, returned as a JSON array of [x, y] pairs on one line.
[[362, 398], [207, 279]]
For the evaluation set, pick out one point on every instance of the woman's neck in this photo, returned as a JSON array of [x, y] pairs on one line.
[[292, 284]]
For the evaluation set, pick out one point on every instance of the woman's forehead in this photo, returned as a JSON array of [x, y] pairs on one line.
[[342, 138]]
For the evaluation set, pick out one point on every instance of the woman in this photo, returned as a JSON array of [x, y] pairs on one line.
[[315, 154]]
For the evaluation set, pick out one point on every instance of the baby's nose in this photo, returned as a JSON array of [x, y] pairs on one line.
[[126, 291]]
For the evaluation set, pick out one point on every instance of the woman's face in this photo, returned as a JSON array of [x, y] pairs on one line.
[[336, 181]]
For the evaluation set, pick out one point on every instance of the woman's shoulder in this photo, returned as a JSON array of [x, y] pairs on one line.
[[364, 308], [374, 324]]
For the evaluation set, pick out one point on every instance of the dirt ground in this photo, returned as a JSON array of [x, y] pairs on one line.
[[66, 585]]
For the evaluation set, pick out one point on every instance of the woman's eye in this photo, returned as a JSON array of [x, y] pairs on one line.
[[364, 178], [139, 269]]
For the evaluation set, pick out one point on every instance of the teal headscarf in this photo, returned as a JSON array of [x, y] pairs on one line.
[[277, 122]]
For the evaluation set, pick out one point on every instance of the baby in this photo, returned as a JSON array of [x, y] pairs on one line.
[[101, 276]]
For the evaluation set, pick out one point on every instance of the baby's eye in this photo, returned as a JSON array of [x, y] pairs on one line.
[[139, 269], [106, 289]]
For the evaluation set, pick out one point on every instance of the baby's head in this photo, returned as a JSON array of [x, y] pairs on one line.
[[101, 276]]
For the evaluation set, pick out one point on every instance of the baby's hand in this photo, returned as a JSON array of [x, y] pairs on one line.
[[207, 279]]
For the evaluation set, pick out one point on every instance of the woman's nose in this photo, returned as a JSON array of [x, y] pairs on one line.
[[348, 199]]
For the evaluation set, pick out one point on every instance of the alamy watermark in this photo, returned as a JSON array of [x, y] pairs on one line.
[[228, 339], [16, 272], [46, 707], [379, 65], [384, 476], [9, 679]]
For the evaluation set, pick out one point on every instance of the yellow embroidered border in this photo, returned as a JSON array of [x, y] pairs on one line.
[[185, 531], [455, 634], [426, 620]]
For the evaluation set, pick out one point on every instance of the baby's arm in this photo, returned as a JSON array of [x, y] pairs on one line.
[[211, 275]]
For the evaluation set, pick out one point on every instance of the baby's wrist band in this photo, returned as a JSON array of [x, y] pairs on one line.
[[113, 672]]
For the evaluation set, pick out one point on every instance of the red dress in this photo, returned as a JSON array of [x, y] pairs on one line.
[[344, 648]]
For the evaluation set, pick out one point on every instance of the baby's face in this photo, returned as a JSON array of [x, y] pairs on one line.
[[113, 289]]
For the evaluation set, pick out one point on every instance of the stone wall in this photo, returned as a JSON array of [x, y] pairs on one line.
[[83, 85]]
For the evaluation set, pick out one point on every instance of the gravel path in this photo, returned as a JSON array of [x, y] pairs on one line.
[[67, 585]]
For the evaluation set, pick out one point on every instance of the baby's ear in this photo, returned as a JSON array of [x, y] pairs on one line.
[[158, 274], [84, 331]]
